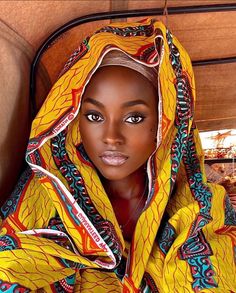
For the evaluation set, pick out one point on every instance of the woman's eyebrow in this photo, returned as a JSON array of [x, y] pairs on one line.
[[94, 102], [134, 103]]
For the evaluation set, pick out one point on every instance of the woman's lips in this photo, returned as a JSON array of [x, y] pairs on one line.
[[113, 158]]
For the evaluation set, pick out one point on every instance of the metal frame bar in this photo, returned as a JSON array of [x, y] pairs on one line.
[[219, 160], [214, 61], [122, 14]]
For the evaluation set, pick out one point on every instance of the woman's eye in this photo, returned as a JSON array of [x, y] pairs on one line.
[[94, 117], [135, 119]]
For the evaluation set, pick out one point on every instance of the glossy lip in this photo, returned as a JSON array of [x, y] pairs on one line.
[[113, 158]]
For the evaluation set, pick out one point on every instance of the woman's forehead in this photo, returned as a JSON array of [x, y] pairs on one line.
[[119, 82]]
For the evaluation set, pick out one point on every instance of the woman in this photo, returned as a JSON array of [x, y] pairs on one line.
[[117, 200]]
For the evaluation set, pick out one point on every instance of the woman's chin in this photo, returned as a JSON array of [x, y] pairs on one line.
[[112, 175]]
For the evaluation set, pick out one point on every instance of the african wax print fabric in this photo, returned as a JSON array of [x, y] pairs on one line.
[[59, 232]]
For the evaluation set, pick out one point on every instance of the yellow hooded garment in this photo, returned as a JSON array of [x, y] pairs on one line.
[[59, 232]]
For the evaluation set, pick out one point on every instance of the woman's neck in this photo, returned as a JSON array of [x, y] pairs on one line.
[[128, 197], [127, 188]]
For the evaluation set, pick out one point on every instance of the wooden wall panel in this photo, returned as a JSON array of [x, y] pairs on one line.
[[206, 36], [35, 20], [216, 96]]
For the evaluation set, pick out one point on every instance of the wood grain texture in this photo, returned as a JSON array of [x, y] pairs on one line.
[[35, 20]]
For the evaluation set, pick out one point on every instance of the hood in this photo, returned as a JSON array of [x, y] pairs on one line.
[[56, 155]]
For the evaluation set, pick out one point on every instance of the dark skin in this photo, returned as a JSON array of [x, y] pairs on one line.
[[118, 126]]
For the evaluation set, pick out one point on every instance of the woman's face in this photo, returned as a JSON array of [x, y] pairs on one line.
[[118, 121]]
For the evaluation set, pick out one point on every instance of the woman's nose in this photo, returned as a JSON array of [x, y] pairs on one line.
[[112, 134]]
